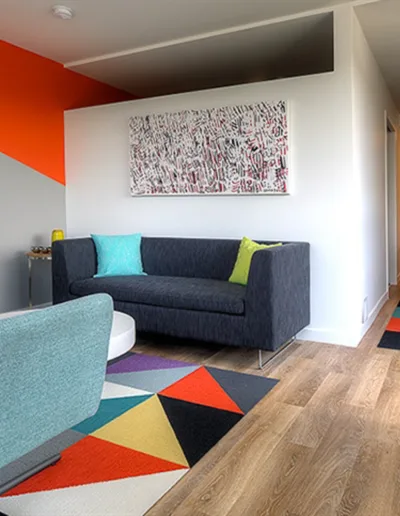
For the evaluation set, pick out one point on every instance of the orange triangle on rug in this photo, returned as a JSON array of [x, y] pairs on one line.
[[90, 461], [201, 388]]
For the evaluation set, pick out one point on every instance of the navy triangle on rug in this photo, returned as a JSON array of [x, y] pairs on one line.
[[390, 340]]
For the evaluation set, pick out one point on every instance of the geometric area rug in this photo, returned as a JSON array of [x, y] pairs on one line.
[[391, 336], [157, 418]]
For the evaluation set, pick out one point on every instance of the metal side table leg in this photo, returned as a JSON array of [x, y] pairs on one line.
[[30, 283]]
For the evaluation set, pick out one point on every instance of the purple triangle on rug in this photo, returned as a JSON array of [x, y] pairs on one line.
[[139, 362]]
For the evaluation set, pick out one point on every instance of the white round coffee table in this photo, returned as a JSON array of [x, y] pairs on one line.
[[123, 332], [123, 335]]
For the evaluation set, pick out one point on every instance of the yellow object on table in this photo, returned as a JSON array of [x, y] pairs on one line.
[[57, 234]]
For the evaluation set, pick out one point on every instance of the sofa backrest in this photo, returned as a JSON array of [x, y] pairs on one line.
[[189, 257], [162, 256]]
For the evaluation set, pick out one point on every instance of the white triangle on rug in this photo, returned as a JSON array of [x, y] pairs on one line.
[[127, 497], [115, 390]]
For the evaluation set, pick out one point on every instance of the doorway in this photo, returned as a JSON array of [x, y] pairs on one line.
[[391, 202]]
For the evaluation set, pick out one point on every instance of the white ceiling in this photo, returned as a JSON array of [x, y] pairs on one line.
[[381, 24], [296, 47], [107, 26], [149, 47]]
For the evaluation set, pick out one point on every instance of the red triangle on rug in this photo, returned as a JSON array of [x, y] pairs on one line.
[[201, 388], [394, 324], [93, 460]]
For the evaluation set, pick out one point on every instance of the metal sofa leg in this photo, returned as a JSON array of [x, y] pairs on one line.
[[261, 364]]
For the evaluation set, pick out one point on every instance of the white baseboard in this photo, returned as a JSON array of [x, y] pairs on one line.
[[373, 314], [330, 336], [350, 337]]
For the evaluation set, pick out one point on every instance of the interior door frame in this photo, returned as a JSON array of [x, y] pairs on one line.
[[391, 201]]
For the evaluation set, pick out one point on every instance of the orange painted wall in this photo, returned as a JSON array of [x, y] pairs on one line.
[[34, 92]]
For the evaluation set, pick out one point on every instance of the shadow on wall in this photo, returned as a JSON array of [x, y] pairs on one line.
[[15, 281]]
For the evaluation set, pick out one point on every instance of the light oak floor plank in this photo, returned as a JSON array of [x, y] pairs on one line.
[[316, 418], [372, 375], [321, 488], [324, 442]]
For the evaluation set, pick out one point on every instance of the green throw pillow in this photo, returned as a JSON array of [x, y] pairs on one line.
[[240, 273]]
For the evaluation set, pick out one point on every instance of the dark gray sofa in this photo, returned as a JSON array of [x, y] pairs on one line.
[[186, 293]]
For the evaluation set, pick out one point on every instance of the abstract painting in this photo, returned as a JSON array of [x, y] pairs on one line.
[[228, 150]]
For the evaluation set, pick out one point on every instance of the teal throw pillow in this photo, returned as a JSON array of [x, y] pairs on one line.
[[118, 255]]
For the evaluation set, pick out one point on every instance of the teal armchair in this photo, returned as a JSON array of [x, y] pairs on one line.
[[52, 370]]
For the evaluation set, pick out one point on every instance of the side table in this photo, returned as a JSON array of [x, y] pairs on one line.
[[31, 258]]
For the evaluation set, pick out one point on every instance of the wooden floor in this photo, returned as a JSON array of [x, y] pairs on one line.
[[325, 441]]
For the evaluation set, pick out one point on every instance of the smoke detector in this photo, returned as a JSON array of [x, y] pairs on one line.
[[63, 12]]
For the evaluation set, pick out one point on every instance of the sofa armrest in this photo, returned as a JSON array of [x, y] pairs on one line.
[[278, 295], [72, 259]]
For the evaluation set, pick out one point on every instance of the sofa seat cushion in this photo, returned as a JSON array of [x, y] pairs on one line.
[[174, 292]]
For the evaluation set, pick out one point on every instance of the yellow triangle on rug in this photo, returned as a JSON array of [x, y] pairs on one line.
[[145, 428]]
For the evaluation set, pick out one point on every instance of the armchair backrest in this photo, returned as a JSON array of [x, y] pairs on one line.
[[52, 370]]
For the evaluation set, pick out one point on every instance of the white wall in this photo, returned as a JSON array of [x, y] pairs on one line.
[[370, 101], [320, 209]]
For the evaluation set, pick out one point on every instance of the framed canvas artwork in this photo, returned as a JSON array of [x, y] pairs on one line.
[[233, 150]]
